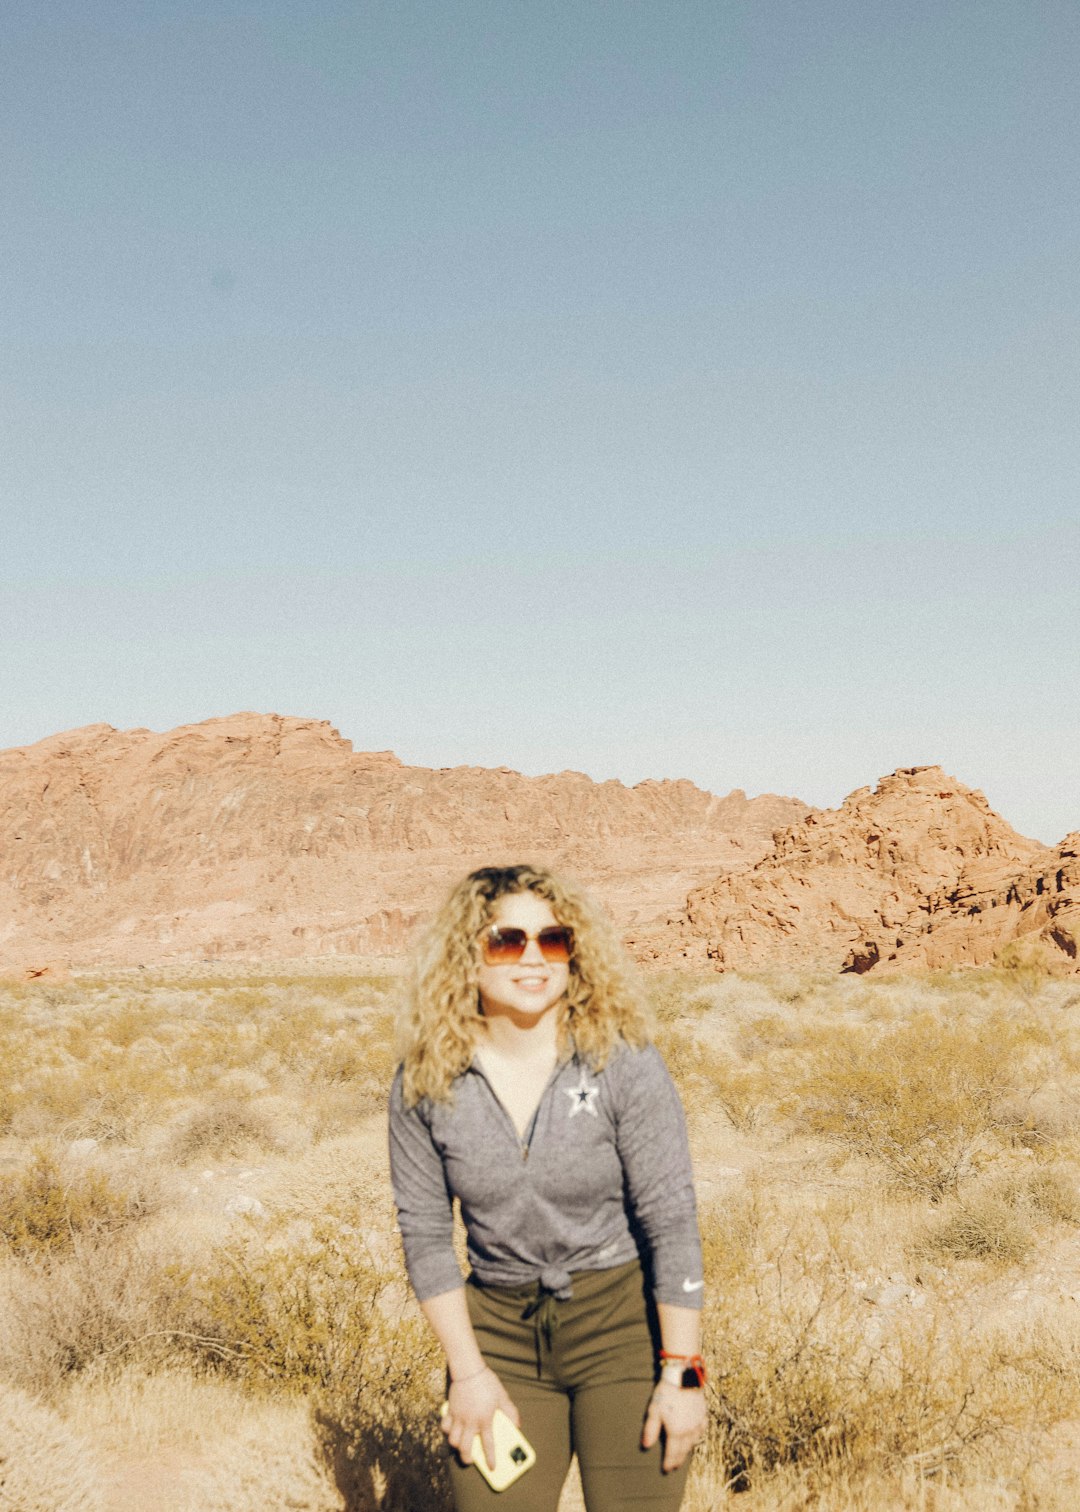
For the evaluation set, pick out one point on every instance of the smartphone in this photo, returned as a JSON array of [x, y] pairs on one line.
[[513, 1452]]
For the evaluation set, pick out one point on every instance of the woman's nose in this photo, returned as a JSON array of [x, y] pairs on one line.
[[532, 955]]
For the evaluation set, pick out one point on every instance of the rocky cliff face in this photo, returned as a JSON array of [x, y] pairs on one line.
[[1036, 912], [918, 872], [262, 835], [258, 835]]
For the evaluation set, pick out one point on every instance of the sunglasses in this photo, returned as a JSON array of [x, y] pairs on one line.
[[503, 944]]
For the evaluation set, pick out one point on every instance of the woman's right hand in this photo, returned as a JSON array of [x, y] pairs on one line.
[[472, 1405]]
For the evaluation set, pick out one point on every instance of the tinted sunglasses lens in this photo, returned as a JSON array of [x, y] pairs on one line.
[[504, 946], [556, 944]]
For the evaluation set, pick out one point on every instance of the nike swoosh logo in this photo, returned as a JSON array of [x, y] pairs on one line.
[[689, 1286]]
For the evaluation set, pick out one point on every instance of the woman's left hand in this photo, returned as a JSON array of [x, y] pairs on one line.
[[680, 1413]]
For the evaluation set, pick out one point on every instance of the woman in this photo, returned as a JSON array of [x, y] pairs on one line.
[[529, 1090]]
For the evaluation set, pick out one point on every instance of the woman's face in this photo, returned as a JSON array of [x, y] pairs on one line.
[[530, 987]]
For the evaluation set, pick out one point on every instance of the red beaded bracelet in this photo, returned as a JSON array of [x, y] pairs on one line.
[[693, 1367]]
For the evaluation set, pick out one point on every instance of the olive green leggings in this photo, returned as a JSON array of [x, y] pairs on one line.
[[580, 1373]]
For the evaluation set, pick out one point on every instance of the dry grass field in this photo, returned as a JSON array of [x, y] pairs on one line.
[[202, 1305]]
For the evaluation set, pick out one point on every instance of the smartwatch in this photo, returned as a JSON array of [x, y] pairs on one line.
[[685, 1371]]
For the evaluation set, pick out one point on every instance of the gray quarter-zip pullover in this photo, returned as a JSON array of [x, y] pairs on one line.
[[606, 1156]]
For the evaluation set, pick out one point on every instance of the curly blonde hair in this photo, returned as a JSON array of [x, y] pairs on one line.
[[603, 1005]]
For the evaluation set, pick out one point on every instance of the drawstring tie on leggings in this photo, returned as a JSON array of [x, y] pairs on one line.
[[553, 1286]]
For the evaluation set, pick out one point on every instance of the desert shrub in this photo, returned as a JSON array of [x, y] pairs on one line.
[[1026, 965], [765, 1032], [327, 1318], [731, 1238], [709, 1077], [359, 1056], [820, 1392], [743, 1093], [992, 1226], [113, 1114], [289, 1310], [51, 1099], [803, 1383], [1053, 1192], [222, 1128], [117, 1055], [330, 1111], [674, 995], [923, 1098], [111, 1098], [792, 988], [275, 1316], [1000, 1222], [98, 1302], [1041, 1118], [45, 1208], [204, 1051], [250, 1000], [101, 1026]]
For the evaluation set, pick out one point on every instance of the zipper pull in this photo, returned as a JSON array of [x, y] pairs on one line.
[[524, 1150]]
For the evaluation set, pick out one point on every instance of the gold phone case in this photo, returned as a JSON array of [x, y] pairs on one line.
[[513, 1452]]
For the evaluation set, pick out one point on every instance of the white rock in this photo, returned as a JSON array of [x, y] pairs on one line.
[[244, 1205], [80, 1148], [888, 1296]]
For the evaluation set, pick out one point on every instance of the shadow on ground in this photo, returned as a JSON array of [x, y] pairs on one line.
[[384, 1467]]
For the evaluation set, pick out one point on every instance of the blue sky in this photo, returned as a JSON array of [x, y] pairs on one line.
[[650, 389]]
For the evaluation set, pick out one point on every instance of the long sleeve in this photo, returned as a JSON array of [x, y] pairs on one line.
[[655, 1155], [424, 1205]]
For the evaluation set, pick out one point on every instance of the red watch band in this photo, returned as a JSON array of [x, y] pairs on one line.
[[694, 1372]]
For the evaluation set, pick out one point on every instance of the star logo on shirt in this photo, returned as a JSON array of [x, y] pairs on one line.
[[583, 1096]]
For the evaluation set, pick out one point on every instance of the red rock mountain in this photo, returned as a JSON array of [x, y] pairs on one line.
[[258, 835], [918, 872]]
